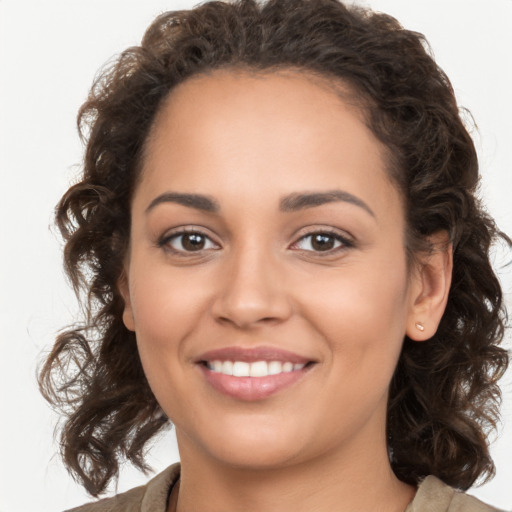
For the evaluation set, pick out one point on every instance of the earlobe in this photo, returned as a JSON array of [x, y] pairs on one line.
[[122, 286], [430, 288]]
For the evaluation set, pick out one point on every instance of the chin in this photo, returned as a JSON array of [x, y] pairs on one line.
[[256, 456], [249, 444]]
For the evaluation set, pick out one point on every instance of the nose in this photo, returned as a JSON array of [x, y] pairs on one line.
[[252, 291]]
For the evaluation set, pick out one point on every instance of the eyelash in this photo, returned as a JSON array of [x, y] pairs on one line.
[[164, 242], [345, 242]]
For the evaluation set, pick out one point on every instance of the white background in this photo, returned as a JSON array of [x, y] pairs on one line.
[[49, 52]]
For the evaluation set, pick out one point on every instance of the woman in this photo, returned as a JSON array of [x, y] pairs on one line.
[[279, 239]]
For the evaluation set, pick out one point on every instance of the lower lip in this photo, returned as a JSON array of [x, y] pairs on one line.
[[252, 388]]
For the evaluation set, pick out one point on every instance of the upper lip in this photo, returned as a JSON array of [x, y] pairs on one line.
[[253, 354]]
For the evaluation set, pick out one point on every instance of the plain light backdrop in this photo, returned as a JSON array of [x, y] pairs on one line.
[[49, 53]]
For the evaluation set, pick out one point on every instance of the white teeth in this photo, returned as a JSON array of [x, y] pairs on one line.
[[259, 369], [275, 367], [256, 369], [227, 368], [287, 367], [241, 369]]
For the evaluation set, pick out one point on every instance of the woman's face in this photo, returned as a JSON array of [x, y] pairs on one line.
[[267, 237]]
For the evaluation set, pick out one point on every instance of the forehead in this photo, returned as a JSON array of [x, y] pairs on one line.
[[259, 132], [234, 98]]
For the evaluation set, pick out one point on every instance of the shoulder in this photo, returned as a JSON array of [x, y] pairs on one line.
[[151, 497], [129, 501], [435, 496]]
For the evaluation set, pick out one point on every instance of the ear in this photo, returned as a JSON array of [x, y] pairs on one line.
[[430, 285], [124, 290]]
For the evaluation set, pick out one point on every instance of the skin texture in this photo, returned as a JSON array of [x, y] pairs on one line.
[[247, 141]]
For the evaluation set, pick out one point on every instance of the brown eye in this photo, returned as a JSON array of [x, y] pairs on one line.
[[193, 242], [323, 242], [187, 241]]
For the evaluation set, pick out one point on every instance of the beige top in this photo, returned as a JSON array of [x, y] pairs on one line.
[[432, 496]]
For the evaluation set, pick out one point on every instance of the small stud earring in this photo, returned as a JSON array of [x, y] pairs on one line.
[[419, 326]]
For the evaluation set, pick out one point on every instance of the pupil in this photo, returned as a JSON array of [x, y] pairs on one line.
[[323, 242], [193, 242]]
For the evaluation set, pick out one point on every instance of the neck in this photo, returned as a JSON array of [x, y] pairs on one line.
[[357, 478]]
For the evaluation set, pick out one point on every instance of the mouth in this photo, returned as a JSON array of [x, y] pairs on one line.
[[252, 374], [256, 369]]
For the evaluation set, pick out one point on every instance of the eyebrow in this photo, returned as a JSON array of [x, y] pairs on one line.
[[197, 201], [300, 201], [290, 203]]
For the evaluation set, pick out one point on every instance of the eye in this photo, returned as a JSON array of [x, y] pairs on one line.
[[323, 241], [187, 241]]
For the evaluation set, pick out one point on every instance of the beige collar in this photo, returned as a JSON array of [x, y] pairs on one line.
[[432, 495]]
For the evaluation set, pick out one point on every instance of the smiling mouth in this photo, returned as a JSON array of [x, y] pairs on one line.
[[253, 378], [254, 373], [253, 369]]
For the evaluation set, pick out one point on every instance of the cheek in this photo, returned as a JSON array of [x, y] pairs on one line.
[[163, 298], [362, 315], [167, 308]]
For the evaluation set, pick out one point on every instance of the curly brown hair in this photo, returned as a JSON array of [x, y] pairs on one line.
[[444, 398]]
